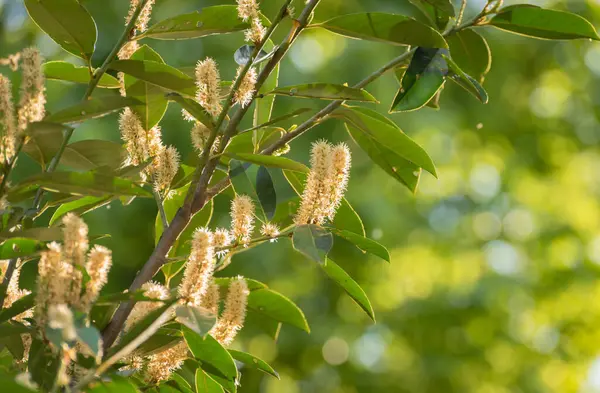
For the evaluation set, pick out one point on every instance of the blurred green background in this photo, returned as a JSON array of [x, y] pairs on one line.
[[494, 282]]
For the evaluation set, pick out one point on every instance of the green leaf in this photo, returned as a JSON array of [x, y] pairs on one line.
[[252, 361], [90, 154], [325, 91], [12, 329], [90, 109], [312, 241], [471, 52], [197, 319], [444, 6], [422, 80], [119, 297], [208, 350], [19, 247], [43, 364], [264, 103], [467, 82], [64, 71], [387, 133], [182, 385], [10, 385], [340, 277], [541, 23], [219, 19], [80, 206], [253, 142], [90, 337], [364, 243], [42, 234], [278, 307], [116, 384], [193, 108], [18, 307], [345, 218], [265, 190], [387, 28], [154, 103], [270, 161], [161, 341], [399, 168], [253, 285], [44, 141], [67, 22], [88, 183], [206, 384], [278, 119], [243, 185], [158, 74]]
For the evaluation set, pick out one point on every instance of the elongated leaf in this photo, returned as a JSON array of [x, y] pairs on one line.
[[422, 80], [12, 329], [467, 82], [264, 103], [193, 108], [345, 218], [274, 305], [444, 6], [220, 19], [42, 234], [44, 141], [538, 22], [90, 109], [116, 384], [87, 183], [43, 364], [387, 28], [278, 119], [197, 319], [340, 277], [399, 168], [387, 133], [364, 243], [265, 190], [253, 142], [253, 285], [67, 22], [18, 247], [270, 161], [63, 71], [80, 206], [312, 241], [206, 384], [153, 101], [10, 385], [471, 52], [243, 185], [158, 74], [90, 154], [207, 349], [90, 337], [18, 307], [252, 361], [325, 91]]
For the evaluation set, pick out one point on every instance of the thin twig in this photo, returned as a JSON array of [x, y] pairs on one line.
[[461, 12], [10, 269], [161, 210]]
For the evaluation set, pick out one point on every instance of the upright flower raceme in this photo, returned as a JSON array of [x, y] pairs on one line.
[[209, 89], [243, 95], [141, 25], [32, 99], [221, 238], [8, 127], [151, 290], [59, 271], [162, 364], [199, 268], [199, 135], [242, 218], [135, 137], [234, 314], [248, 11], [326, 183], [167, 164], [270, 230]]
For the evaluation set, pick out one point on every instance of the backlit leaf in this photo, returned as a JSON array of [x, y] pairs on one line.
[[325, 91], [64, 71]]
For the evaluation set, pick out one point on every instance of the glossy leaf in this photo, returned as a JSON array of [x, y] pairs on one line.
[[158, 74], [18, 247], [278, 307], [206, 384], [207, 349], [270, 161], [64, 71], [265, 190], [116, 384], [387, 133], [252, 361], [67, 22], [364, 243], [88, 183], [387, 28], [90, 109], [345, 218], [21, 305], [444, 6], [312, 241], [542, 23], [278, 119], [44, 141], [263, 107], [9, 329], [399, 168], [153, 101], [325, 91], [422, 80], [243, 185], [253, 285], [254, 142], [219, 19], [90, 337], [340, 277], [197, 319], [90, 154], [193, 108], [471, 52], [467, 82], [42, 364], [80, 206], [41, 233]]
